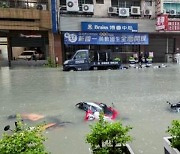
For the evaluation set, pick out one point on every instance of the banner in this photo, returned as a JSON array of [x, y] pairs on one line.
[[162, 22], [106, 38], [166, 24], [108, 27], [54, 16], [173, 26]]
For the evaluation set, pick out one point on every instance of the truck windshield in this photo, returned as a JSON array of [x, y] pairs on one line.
[[81, 55]]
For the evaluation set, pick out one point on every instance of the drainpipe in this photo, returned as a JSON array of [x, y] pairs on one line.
[[167, 49], [167, 45]]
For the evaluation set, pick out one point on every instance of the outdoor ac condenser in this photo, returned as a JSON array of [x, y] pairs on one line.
[[88, 8], [72, 5], [112, 10], [135, 10], [147, 12], [172, 12], [124, 12]]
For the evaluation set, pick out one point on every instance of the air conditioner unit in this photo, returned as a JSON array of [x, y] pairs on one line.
[[178, 13], [72, 5], [124, 12], [41, 6], [135, 10], [88, 8], [147, 12], [172, 12], [112, 10]]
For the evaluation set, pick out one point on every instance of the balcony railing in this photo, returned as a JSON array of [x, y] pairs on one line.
[[40, 5]]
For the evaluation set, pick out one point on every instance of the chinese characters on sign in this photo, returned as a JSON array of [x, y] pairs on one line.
[[173, 26], [108, 27], [106, 38], [162, 22]]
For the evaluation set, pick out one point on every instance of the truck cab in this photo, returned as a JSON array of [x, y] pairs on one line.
[[90, 60]]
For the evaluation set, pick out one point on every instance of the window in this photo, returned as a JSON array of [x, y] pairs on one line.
[[100, 1], [148, 2], [81, 55], [62, 2], [125, 3], [85, 2]]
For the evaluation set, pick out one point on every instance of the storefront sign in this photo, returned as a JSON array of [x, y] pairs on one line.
[[106, 38], [162, 22], [108, 27], [173, 26], [54, 16], [31, 36], [165, 24]]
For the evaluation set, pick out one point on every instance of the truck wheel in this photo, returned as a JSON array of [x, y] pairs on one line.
[[72, 69]]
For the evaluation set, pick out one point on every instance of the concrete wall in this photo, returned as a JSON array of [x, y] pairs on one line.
[[74, 23], [101, 10], [16, 51]]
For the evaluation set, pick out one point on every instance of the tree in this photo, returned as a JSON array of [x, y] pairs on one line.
[[23, 139]]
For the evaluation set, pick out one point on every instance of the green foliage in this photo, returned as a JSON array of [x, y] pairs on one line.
[[50, 62], [174, 131], [117, 59], [23, 140], [131, 58], [150, 57], [104, 135]]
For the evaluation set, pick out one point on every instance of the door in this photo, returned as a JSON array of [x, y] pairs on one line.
[[81, 61]]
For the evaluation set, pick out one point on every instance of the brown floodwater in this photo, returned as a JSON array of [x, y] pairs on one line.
[[140, 96]]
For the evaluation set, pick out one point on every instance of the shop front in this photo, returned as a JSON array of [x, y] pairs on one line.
[[122, 39], [25, 46], [167, 37]]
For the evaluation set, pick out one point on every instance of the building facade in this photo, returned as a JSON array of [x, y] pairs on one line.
[[26, 25], [126, 27]]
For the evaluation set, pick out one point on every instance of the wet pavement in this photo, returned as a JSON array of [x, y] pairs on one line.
[[140, 95]]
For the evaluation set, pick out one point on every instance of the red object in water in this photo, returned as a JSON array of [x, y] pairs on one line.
[[111, 116]]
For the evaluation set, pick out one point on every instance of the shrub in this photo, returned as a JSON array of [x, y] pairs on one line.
[[104, 136], [174, 131], [50, 62], [23, 140], [117, 59]]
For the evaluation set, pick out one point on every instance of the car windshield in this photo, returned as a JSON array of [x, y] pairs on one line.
[[27, 53]]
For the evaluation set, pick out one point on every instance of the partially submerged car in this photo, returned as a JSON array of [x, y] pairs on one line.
[[174, 107], [93, 109]]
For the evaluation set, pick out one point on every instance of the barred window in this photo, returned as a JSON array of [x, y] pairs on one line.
[[100, 1], [125, 3]]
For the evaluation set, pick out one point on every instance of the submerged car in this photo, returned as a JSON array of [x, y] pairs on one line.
[[93, 109], [29, 55]]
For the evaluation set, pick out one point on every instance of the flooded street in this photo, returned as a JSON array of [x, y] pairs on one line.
[[140, 96]]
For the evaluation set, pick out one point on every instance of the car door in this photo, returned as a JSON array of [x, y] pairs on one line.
[[81, 60]]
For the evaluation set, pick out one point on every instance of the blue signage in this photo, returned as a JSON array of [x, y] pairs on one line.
[[54, 16], [108, 27], [106, 38]]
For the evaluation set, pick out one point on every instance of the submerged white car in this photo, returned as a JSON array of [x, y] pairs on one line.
[[29, 55]]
